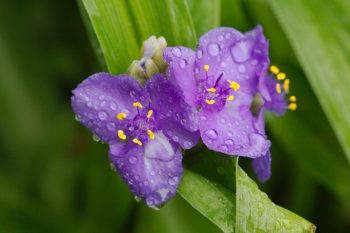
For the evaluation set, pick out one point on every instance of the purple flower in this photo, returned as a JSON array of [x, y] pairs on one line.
[[145, 127], [221, 79]]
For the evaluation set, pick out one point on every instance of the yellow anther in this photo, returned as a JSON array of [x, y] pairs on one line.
[[206, 67], [281, 76], [274, 69], [212, 89], [292, 106], [137, 104], [292, 98], [278, 88], [235, 86], [137, 141], [121, 116], [210, 101], [231, 97], [150, 134], [286, 85], [149, 114], [121, 134]]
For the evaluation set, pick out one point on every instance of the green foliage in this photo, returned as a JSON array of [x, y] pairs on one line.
[[54, 178]]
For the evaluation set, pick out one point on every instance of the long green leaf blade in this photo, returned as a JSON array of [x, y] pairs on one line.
[[256, 213], [322, 47], [167, 18], [115, 32]]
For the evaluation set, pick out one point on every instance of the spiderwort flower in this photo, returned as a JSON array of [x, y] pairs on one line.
[[145, 127], [221, 79]]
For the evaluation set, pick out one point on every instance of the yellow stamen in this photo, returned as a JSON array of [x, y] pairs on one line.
[[137, 141], [150, 134], [212, 89], [137, 104], [292, 98], [149, 114], [278, 88], [206, 67], [231, 97], [292, 106], [121, 134], [274, 69], [121, 116], [286, 85], [210, 101], [281, 76], [235, 86]]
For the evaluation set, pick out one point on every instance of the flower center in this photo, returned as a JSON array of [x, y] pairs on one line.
[[214, 93], [140, 128]]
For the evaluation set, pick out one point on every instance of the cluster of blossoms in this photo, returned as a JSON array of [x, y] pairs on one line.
[[217, 93]]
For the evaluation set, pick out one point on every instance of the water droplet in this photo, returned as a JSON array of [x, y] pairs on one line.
[[211, 133], [224, 148], [111, 126], [168, 114], [113, 106], [132, 159], [142, 98], [229, 134], [183, 63], [183, 121], [89, 104], [137, 199], [196, 70], [173, 180], [95, 138], [229, 142], [176, 138], [145, 183], [222, 120], [132, 94], [154, 207], [240, 52], [223, 64], [187, 144], [77, 118], [176, 52], [220, 37], [103, 103], [101, 97], [213, 49], [102, 115], [241, 68], [90, 116], [199, 53], [203, 118], [111, 165], [228, 35]]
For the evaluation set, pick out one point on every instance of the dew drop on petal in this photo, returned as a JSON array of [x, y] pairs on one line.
[[176, 52], [220, 37], [173, 180], [241, 68], [132, 159], [240, 52], [183, 63], [187, 144], [132, 94], [211, 133], [113, 106], [213, 49], [224, 148], [229, 142], [102, 115], [111, 126], [199, 53]]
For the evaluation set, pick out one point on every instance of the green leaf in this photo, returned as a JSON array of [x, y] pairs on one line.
[[256, 213], [322, 47], [115, 32], [210, 199], [205, 14], [167, 18]]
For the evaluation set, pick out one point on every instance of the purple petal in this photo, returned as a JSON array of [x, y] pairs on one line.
[[180, 61], [174, 116], [152, 171], [262, 167], [234, 130], [100, 97], [240, 57], [273, 101]]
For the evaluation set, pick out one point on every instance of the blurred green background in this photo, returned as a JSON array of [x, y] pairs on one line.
[[55, 178]]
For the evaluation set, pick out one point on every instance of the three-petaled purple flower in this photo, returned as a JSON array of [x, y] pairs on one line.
[[221, 79], [145, 127]]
